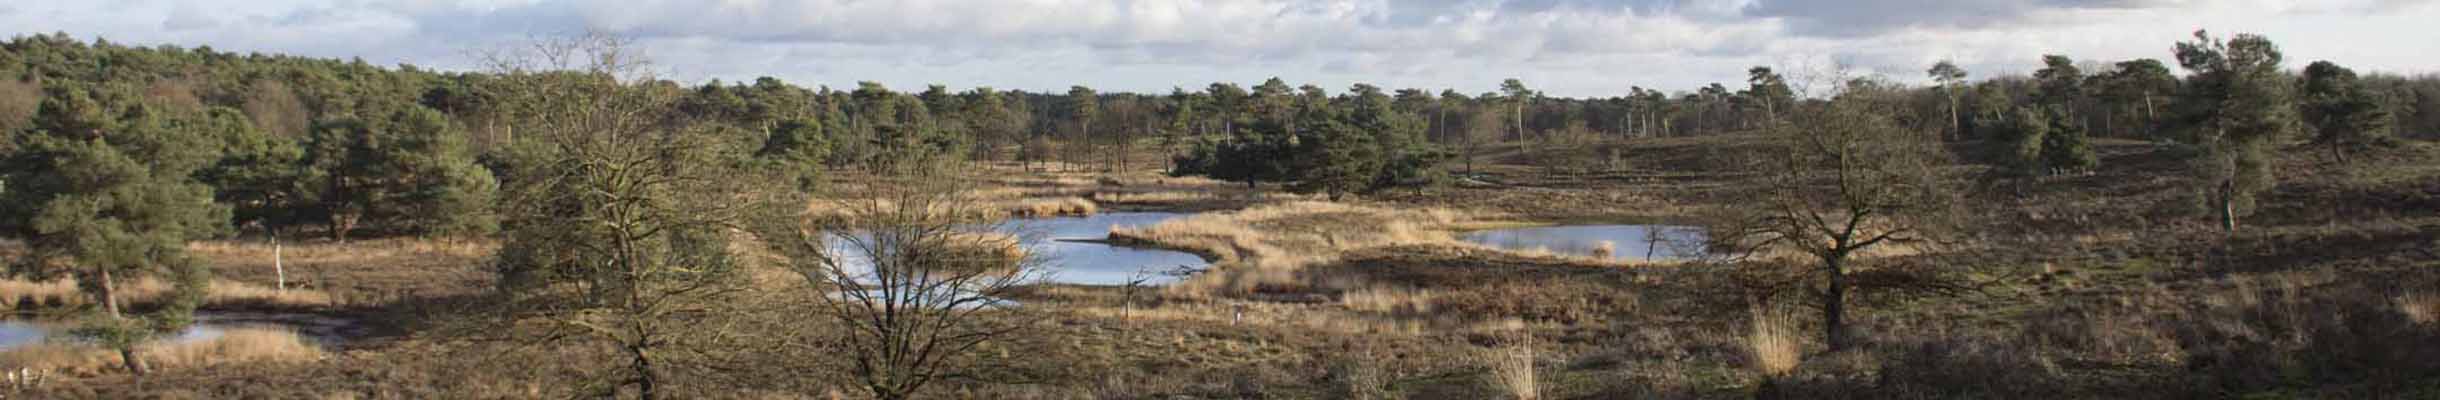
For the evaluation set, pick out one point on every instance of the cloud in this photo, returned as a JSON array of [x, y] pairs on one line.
[[1861, 18], [1566, 47], [187, 17]]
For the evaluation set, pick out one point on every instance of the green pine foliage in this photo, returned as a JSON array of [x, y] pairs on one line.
[[2235, 107], [104, 190], [408, 170], [348, 148], [2344, 115]]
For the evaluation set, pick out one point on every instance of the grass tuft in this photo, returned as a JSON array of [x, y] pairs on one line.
[[1774, 343], [2421, 307], [1512, 368]]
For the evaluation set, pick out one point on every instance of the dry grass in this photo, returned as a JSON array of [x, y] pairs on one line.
[[1153, 197], [1390, 300], [223, 293], [233, 346], [840, 210], [1269, 315], [1512, 368], [1033, 208], [1598, 256], [323, 252], [1773, 342], [2421, 307], [1267, 245]]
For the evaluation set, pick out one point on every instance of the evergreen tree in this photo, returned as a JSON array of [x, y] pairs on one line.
[[408, 170], [798, 146], [2066, 148], [2027, 129], [1335, 158], [2138, 86], [2062, 84], [104, 191], [1951, 78], [260, 175], [2343, 114], [2234, 106]]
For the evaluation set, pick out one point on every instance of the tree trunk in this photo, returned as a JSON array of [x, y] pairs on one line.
[[2149, 114], [340, 224], [644, 378], [110, 304], [1469, 157], [1957, 126], [1520, 116], [277, 265], [2107, 116], [110, 295], [133, 362], [1834, 306], [2228, 205]]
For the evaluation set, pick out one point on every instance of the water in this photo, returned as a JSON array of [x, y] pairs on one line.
[[18, 333], [1627, 242], [1091, 263], [1071, 251]]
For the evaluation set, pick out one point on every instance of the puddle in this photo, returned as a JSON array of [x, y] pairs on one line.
[[1624, 242]]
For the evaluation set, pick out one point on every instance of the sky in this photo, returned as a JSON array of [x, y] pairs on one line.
[[1572, 48]]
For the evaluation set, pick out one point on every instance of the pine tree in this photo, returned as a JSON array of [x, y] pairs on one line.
[[2027, 130], [2235, 106], [2066, 148], [797, 146], [2344, 115], [104, 191], [409, 170]]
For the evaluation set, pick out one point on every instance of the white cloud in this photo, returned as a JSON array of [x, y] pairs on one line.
[[1566, 47], [189, 16]]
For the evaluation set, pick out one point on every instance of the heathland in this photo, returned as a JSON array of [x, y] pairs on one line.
[[553, 231]]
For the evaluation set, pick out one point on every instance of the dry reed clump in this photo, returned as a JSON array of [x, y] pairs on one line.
[[232, 346], [63, 292], [1512, 368], [2421, 307], [1152, 197], [1599, 256], [846, 210], [1036, 208], [1774, 341], [324, 252], [1266, 245]]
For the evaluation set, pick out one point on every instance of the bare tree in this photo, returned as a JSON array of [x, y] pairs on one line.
[[617, 216], [916, 282], [1844, 178]]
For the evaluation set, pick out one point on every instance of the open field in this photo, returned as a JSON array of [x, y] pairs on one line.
[[2090, 290]]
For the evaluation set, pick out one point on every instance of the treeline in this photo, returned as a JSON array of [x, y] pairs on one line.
[[346, 146]]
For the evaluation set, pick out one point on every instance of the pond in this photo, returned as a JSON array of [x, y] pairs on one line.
[[320, 330], [18, 333], [1622, 242], [1073, 250]]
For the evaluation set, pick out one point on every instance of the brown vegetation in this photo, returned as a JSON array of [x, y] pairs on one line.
[[232, 347], [2087, 286]]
